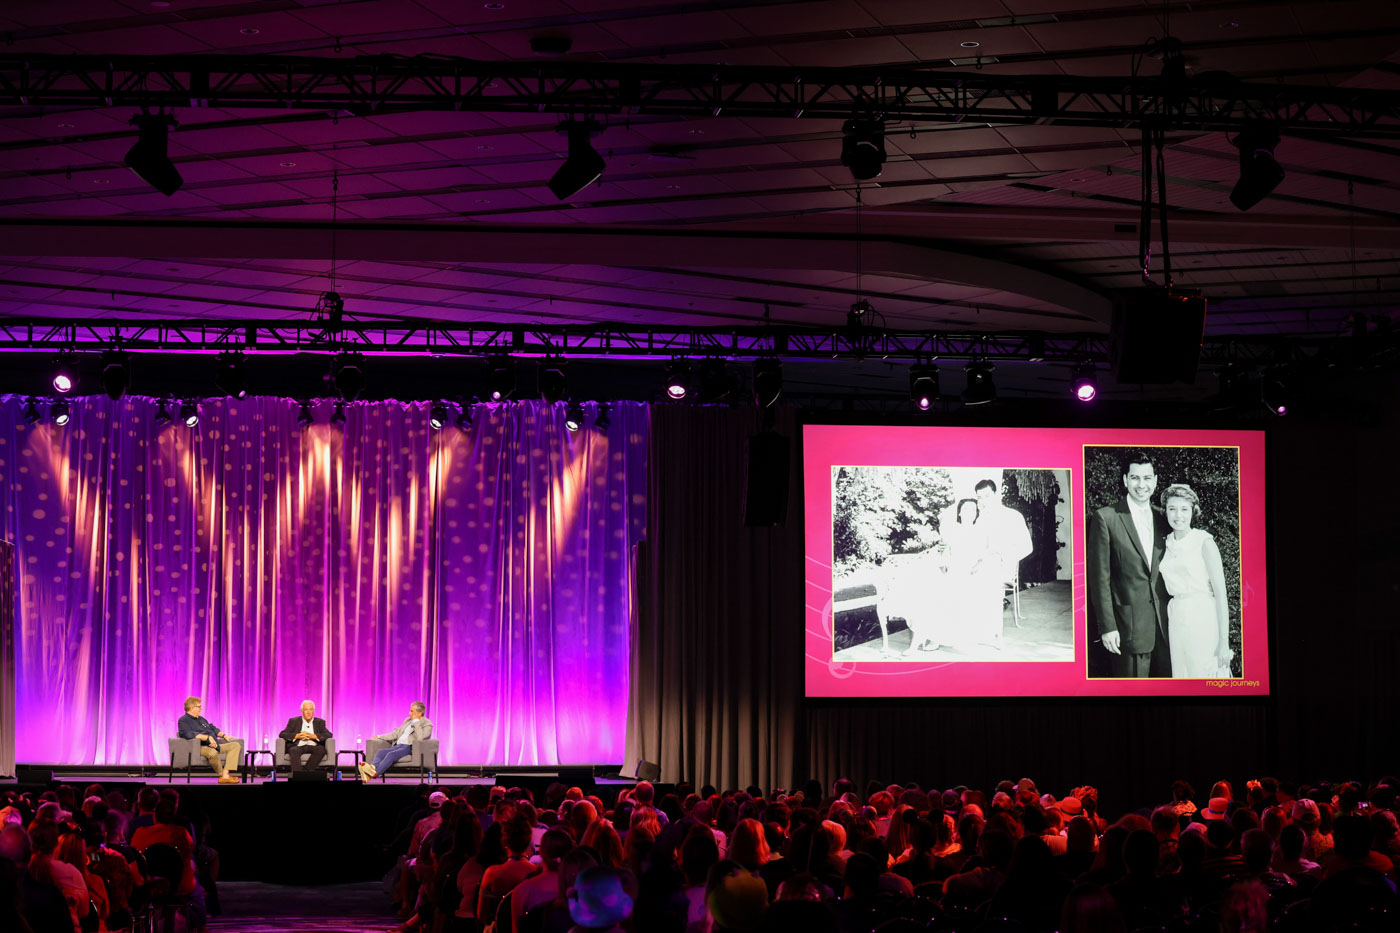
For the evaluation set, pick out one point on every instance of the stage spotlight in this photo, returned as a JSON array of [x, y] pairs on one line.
[[65, 375], [189, 413], [583, 166], [228, 375], [715, 381], [150, 157], [1085, 383], [59, 413], [338, 415], [1274, 396], [464, 416], [348, 374], [863, 148], [31, 411], [304, 416], [677, 379], [923, 386], [981, 388], [437, 416], [767, 382], [602, 421], [500, 379], [573, 417], [116, 377], [1260, 172], [554, 385], [163, 413]]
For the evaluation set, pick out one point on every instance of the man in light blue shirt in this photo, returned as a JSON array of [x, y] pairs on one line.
[[416, 728]]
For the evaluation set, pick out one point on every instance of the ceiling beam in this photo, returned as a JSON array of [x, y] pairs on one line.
[[519, 243], [362, 86]]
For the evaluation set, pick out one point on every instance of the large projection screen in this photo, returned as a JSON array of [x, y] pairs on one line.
[[1048, 562]]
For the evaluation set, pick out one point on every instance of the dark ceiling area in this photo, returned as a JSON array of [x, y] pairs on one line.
[[406, 155]]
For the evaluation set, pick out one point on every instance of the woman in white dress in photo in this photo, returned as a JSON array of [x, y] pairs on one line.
[[1198, 615]]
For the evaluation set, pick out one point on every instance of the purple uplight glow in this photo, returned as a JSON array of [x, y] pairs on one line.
[[256, 563]]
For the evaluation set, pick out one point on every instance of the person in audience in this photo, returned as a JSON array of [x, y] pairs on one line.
[[1091, 909], [193, 725], [542, 887], [598, 901], [430, 821], [46, 868], [973, 886], [736, 899], [499, 880], [72, 850], [305, 738]]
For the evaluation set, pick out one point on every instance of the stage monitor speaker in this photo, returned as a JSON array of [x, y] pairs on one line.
[[766, 492], [648, 771], [576, 777], [1156, 336], [310, 776]]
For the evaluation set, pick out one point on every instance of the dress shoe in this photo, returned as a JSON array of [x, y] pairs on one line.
[[229, 779]]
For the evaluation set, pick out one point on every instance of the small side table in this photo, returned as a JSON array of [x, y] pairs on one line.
[[356, 756], [250, 758]]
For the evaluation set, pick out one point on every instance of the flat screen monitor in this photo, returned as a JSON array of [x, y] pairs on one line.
[[1046, 562]]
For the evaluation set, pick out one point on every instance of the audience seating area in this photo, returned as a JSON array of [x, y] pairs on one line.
[[1269, 856]]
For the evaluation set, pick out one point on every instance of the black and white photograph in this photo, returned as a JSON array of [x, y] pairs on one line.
[[1162, 561], [951, 564]]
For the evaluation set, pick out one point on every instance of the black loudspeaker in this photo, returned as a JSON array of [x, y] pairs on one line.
[[766, 493], [1156, 337], [648, 771], [576, 777]]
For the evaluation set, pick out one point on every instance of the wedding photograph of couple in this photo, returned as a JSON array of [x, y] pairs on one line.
[[1162, 562], [951, 564]]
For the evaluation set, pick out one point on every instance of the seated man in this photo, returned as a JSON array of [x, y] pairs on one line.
[[305, 738], [193, 725], [415, 728]]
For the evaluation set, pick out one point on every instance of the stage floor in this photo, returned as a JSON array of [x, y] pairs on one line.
[[255, 907]]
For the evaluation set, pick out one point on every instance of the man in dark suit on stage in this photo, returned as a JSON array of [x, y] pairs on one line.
[[1126, 592], [305, 737]]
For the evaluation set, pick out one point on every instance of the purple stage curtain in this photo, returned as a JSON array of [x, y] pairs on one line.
[[257, 563]]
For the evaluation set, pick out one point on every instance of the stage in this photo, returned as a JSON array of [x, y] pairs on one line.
[[307, 832]]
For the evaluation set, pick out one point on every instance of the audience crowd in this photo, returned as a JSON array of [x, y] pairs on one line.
[[102, 863], [1276, 857]]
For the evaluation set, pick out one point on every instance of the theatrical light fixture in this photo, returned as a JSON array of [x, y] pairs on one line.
[[464, 416], [863, 148], [338, 414], [31, 411], [1260, 172], [602, 421], [554, 385], [163, 413], [573, 417], [228, 376], [715, 382], [767, 382], [584, 165], [348, 375], [678, 379], [116, 376], [437, 416], [150, 157], [65, 375], [1274, 396], [304, 413], [500, 379], [189, 413], [981, 388], [923, 386], [1085, 382], [59, 411]]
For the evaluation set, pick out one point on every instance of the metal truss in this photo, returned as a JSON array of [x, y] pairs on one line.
[[365, 86], [600, 341]]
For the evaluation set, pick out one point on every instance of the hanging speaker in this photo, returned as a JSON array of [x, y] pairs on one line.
[[766, 492], [1156, 336]]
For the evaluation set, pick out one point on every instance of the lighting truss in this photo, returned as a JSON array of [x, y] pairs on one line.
[[605, 341], [366, 86]]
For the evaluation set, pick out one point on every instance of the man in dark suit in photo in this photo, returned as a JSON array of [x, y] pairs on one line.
[[1126, 593], [305, 738]]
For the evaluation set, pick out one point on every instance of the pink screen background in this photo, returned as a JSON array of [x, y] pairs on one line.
[[825, 446]]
